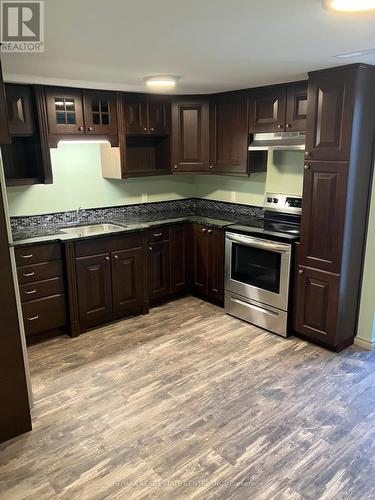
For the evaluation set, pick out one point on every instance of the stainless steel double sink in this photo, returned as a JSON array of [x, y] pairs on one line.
[[91, 229]]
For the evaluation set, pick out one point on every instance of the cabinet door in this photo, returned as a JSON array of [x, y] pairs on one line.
[[190, 135], [94, 289], [316, 304], [159, 114], [296, 107], [267, 110], [229, 134], [127, 281], [159, 270], [323, 214], [20, 110], [64, 111], [330, 114], [216, 264], [179, 258], [4, 128], [100, 112], [135, 109], [200, 259]]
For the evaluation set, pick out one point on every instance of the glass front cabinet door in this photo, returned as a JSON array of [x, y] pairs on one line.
[[100, 112], [64, 111]]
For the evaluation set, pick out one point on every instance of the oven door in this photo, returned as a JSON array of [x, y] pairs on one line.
[[258, 269]]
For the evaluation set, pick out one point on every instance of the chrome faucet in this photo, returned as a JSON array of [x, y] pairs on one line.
[[79, 212]]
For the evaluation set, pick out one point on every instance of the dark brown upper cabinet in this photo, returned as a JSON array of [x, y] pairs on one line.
[[4, 127], [190, 135], [73, 112], [229, 134], [27, 159], [99, 109], [20, 107], [267, 110], [147, 114], [296, 107], [278, 109], [324, 202], [330, 115]]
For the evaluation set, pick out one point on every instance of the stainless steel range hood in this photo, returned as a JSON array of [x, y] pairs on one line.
[[289, 141]]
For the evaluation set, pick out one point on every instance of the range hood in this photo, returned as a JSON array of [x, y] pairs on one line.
[[274, 141]]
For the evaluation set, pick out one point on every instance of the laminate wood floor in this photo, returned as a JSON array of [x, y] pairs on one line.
[[188, 402]]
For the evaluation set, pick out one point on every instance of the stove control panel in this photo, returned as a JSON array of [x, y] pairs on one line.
[[283, 203]]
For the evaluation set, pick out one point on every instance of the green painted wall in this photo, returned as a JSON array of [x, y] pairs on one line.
[[78, 182], [366, 325]]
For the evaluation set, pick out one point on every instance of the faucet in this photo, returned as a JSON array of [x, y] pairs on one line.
[[79, 212]]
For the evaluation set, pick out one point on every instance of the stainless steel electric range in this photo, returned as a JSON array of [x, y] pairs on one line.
[[258, 263]]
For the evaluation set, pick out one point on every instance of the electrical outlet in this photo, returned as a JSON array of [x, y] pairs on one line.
[[144, 197], [233, 196]]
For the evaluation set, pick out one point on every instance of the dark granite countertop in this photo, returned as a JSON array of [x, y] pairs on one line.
[[49, 233]]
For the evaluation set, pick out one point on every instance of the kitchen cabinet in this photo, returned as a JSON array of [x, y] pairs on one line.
[[20, 107], [4, 127], [180, 257], [324, 202], [41, 280], [94, 287], [190, 135], [27, 159], [107, 275], [208, 263], [229, 134], [330, 112], [316, 304], [158, 263], [147, 114], [74, 113], [335, 204], [278, 109]]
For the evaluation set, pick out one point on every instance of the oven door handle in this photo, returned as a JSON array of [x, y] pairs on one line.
[[255, 243]]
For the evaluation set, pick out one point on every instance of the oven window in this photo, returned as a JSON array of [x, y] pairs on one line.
[[256, 267]]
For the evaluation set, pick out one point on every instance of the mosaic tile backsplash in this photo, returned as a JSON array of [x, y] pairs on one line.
[[188, 206]]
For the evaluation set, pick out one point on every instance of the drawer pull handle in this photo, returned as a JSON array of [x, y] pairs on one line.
[[209, 231], [27, 275], [30, 292], [28, 256], [33, 318], [157, 234]]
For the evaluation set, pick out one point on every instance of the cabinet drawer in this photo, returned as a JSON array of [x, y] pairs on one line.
[[86, 248], [157, 234], [37, 253], [38, 272], [44, 314], [41, 289]]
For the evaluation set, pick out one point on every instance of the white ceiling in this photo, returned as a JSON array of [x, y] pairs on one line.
[[214, 45]]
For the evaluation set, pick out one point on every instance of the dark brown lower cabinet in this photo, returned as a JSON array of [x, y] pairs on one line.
[[127, 281], [208, 262], [159, 270], [94, 289], [316, 307], [180, 258]]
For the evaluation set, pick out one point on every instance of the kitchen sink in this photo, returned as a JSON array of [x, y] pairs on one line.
[[82, 231]]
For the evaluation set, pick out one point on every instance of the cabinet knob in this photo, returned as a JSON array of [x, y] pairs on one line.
[[211, 167], [115, 257], [175, 166], [300, 271], [145, 129], [89, 129], [204, 229], [306, 167], [288, 125], [80, 128], [307, 153], [152, 129], [279, 126], [209, 231], [150, 248], [107, 258]]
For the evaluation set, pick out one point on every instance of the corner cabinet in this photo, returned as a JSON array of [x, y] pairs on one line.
[[190, 135], [341, 116], [73, 113], [229, 134]]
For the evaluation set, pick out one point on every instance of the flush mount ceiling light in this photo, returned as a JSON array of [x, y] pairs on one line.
[[161, 82], [350, 5], [356, 53]]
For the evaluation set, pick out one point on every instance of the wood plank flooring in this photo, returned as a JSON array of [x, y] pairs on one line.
[[188, 402]]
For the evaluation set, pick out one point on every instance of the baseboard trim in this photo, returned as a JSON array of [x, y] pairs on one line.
[[364, 343]]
